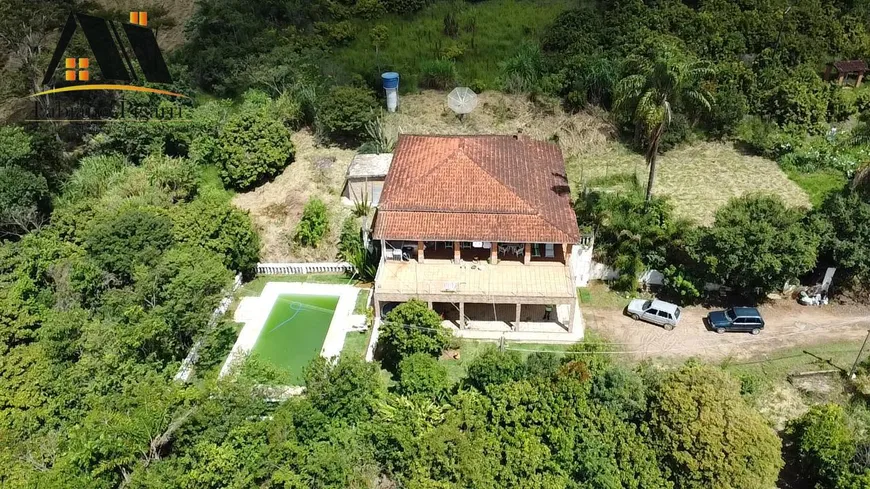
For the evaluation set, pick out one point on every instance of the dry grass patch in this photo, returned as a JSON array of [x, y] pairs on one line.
[[276, 207], [698, 178], [499, 113]]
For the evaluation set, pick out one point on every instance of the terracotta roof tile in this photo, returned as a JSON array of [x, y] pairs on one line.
[[476, 188]]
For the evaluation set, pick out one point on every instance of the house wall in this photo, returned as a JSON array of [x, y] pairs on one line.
[[357, 189]]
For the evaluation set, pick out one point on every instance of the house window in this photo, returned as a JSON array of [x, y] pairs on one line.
[[536, 250], [465, 245], [448, 245], [549, 250]]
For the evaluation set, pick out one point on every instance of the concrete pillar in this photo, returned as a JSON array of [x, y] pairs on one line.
[[461, 315], [567, 248], [430, 304], [493, 253], [573, 310], [840, 80], [456, 252], [527, 254], [420, 253], [377, 305], [860, 78], [383, 249], [517, 322]]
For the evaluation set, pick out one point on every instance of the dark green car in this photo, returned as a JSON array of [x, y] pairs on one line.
[[746, 319]]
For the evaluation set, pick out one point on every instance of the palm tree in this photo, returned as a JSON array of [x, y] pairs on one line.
[[653, 92]]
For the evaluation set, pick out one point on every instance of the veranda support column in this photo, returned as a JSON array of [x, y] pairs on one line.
[[420, 252], [517, 322], [527, 254], [571, 316], [456, 252], [377, 309], [461, 315], [493, 253]]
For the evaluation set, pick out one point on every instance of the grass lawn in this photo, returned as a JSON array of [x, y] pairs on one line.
[[294, 332], [598, 294], [698, 178], [500, 27], [255, 287], [470, 349], [356, 342], [778, 366], [820, 184]]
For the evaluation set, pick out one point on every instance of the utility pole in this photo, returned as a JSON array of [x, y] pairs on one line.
[[855, 365]]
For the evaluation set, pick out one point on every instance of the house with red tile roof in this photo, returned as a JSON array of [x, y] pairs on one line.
[[482, 229]]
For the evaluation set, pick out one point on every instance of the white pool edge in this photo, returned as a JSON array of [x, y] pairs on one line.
[[333, 342]]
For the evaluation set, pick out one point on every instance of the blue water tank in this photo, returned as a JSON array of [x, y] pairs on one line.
[[391, 79]]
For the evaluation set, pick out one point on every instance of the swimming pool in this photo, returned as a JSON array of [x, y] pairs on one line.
[[294, 332], [290, 324]]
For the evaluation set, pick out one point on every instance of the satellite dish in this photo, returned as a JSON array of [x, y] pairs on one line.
[[462, 100]]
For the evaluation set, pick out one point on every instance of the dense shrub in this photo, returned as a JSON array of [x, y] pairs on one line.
[[824, 443], [756, 242], [132, 236], [438, 74], [410, 328], [421, 374], [344, 112], [351, 250], [24, 200], [521, 73], [405, 7], [493, 367], [706, 434], [313, 225], [630, 234], [216, 225], [253, 145], [844, 224]]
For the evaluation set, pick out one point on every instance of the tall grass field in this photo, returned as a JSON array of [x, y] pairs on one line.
[[488, 32]]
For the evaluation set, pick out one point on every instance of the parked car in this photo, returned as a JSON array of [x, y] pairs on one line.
[[655, 311], [736, 319]]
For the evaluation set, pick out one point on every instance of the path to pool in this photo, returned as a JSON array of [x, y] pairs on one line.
[[254, 311]]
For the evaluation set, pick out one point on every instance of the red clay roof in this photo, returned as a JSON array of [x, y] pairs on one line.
[[476, 188]]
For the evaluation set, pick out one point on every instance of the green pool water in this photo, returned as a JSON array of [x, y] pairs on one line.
[[294, 332]]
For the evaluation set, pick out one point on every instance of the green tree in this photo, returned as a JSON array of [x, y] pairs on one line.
[[421, 374], [344, 112], [705, 433], [844, 224], [24, 201], [756, 242], [411, 328], [216, 225], [252, 146], [347, 390], [494, 367], [825, 444], [133, 236], [184, 287], [653, 92], [313, 225]]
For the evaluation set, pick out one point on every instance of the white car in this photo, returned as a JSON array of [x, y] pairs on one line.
[[655, 311]]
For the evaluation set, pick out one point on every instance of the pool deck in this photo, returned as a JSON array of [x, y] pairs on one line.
[[254, 311]]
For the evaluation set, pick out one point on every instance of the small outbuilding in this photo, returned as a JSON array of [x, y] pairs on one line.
[[855, 67], [365, 178]]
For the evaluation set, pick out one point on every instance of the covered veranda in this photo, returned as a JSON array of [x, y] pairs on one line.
[[509, 297]]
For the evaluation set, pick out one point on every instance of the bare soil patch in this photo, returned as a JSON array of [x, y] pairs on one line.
[[788, 325], [276, 207]]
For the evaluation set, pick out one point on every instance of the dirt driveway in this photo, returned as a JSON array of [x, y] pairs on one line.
[[787, 325]]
